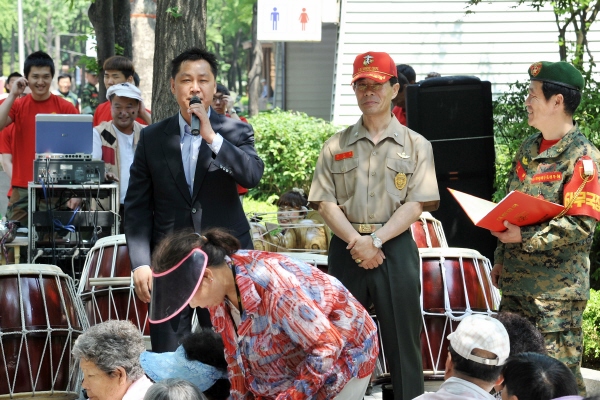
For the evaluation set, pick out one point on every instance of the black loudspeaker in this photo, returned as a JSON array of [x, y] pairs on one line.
[[455, 114]]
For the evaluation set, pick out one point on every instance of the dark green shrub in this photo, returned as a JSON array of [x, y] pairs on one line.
[[591, 331], [510, 128], [289, 143]]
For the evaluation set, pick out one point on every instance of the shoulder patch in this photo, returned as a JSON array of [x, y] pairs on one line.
[[106, 135]]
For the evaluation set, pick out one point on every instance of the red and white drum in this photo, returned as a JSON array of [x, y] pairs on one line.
[[428, 232], [106, 286], [455, 283], [40, 319]]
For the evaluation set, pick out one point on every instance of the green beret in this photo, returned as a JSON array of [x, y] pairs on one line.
[[560, 73]]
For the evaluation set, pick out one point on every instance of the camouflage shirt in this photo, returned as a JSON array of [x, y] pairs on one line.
[[552, 261], [70, 97], [89, 99]]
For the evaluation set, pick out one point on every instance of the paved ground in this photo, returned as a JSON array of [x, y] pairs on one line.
[[591, 377], [430, 386]]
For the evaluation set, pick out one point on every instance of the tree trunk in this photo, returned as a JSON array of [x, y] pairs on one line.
[[36, 35], [174, 34], [122, 22], [256, 70], [2, 58], [232, 77], [143, 24], [50, 36], [100, 14], [13, 50], [240, 82], [562, 44]]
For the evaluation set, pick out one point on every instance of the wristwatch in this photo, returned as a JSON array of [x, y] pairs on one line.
[[376, 241]]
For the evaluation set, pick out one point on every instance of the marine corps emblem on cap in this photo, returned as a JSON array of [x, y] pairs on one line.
[[535, 68], [377, 66], [558, 73]]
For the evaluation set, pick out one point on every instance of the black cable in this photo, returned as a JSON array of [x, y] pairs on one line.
[[95, 235]]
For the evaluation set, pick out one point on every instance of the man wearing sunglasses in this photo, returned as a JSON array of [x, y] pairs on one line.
[[371, 182]]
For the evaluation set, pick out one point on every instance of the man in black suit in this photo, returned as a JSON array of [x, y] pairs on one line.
[[178, 181]]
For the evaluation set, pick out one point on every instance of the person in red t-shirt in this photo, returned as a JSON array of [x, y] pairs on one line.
[[39, 71], [6, 138], [223, 104], [406, 76], [118, 69], [6, 134]]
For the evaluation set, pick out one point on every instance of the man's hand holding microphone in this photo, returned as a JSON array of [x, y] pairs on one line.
[[200, 124]]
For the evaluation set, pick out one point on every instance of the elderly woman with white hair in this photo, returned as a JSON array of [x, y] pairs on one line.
[[109, 356]]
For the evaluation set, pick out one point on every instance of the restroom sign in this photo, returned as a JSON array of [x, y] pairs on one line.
[[289, 20]]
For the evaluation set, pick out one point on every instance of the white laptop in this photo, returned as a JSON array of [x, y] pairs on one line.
[[63, 134]]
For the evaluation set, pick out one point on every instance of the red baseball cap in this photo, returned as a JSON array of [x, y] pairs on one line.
[[378, 66]]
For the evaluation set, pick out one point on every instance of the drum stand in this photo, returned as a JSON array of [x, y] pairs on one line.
[[59, 236]]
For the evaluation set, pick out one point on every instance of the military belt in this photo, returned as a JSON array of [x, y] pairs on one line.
[[366, 228]]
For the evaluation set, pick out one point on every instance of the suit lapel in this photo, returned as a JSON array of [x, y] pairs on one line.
[[172, 154], [205, 154]]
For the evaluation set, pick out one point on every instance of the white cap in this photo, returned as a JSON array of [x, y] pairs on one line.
[[124, 90], [481, 332]]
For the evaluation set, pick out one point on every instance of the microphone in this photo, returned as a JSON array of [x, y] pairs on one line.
[[195, 120]]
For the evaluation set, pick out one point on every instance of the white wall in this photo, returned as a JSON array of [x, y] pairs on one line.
[[497, 43], [309, 74]]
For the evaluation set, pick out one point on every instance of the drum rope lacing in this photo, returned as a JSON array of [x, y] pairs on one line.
[[426, 229], [100, 247], [448, 313], [439, 231], [49, 331]]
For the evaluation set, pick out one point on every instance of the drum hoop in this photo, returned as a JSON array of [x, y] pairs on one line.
[[32, 269], [42, 395], [449, 252], [427, 216], [101, 244], [109, 241]]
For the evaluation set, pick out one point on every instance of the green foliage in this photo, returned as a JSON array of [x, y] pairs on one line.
[[257, 206], [43, 20], [119, 50], [90, 64], [289, 143], [8, 17], [228, 25], [174, 12], [510, 128], [591, 331]]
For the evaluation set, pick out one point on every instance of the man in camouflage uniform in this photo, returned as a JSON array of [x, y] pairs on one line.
[[89, 94], [543, 269]]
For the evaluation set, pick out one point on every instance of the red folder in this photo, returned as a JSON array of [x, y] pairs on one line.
[[517, 208]]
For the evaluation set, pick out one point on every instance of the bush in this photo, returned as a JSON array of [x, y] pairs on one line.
[[256, 206], [591, 331], [289, 143], [510, 128]]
